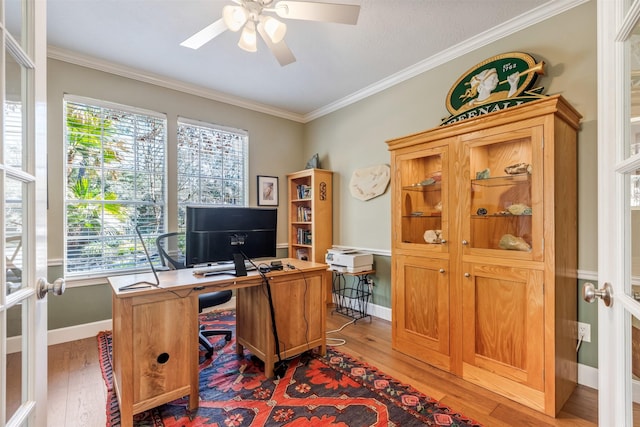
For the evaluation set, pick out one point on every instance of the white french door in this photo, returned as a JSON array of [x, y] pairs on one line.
[[23, 155], [618, 211]]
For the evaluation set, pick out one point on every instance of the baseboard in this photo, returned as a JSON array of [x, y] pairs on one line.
[[588, 376], [371, 309], [61, 335], [380, 312]]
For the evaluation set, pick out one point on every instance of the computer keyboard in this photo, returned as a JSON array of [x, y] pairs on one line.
[[221, 268]]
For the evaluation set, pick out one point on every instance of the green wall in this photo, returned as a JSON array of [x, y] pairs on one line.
[[588, 313]]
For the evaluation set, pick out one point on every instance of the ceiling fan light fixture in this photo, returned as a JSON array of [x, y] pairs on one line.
[[248, 40], [274, 28], [234, 17]]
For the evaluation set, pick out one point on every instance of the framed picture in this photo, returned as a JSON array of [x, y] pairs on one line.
[[267, 190]]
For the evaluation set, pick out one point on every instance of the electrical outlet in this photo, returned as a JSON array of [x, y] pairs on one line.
[[584, 331]]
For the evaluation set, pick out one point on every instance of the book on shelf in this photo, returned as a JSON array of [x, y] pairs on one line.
[[304, 214], [304, 191], [304, 236]]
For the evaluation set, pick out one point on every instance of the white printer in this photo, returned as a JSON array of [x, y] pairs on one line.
[[348, 260]]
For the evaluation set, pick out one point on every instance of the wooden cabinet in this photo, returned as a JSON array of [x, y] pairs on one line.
[[484, 269], [310, 214]]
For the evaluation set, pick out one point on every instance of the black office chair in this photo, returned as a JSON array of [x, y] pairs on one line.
[[169, 248]]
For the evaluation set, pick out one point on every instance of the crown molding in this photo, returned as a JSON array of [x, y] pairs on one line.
[[541, 13], [71, 57]]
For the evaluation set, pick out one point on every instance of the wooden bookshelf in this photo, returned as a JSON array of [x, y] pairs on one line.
[[310, 218]]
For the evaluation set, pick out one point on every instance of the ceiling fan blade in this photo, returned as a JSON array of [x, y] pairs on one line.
[[280, 50], [206, 34], [311, 11]]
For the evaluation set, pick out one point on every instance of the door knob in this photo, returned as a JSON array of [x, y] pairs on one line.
[[467, 274], [590, 293], [442, 270], [43, 287], [464, 242]]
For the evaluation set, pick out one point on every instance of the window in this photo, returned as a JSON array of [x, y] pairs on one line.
[[212, 166], [115, 180]]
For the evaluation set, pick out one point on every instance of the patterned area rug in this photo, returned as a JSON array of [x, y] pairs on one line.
[[334, 390]]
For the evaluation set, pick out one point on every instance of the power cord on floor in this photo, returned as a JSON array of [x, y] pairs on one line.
[[335, 342]]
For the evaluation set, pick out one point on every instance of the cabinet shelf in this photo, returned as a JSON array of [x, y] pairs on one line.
[[501, 181], [489, 216], [423, 188], [428, 215]]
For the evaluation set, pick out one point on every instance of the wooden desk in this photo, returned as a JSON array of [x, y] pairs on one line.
[[155, 330]]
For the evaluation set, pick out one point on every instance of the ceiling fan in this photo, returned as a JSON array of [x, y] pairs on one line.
[[249, 15]]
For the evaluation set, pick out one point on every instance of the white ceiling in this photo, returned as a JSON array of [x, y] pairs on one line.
[[336, 64]]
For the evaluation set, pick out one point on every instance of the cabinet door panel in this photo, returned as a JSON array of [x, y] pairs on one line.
[[160, 347], [422, 200], [504, 209], [421, 308], [504, 323]]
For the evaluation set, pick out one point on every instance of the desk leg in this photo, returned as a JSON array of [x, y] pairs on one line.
[[126, 416], [193, 325], [122, 346], [268, 367]]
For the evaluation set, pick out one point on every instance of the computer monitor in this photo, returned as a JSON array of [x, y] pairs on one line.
[[217, 234]]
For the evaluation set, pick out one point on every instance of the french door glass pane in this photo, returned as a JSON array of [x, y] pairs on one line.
[[16, 361], [14, 13], [14, 248], [14, 137], [635, 368]]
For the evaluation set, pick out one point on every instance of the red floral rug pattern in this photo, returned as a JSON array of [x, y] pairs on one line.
[[332, 390]]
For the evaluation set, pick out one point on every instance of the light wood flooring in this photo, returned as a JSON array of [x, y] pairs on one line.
[[77, 394]]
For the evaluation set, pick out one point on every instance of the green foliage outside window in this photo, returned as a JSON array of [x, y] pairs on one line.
[[115, 181]]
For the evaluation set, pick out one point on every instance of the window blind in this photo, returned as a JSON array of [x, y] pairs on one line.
[[115, 180], [212, 166]]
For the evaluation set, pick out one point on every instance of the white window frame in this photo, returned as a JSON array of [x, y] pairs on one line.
[[138, 260], [243, 136]]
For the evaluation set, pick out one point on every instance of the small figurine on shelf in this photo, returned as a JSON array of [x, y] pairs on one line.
[[424, 182], [513, 243], [518, 168], [483, 174], [519, 209], [433, 236], [313, 162]]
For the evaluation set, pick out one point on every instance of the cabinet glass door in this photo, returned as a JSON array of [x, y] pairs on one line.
[[423, 199], [505, 206]]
